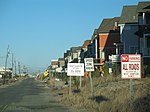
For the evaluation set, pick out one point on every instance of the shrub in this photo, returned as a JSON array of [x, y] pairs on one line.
[[105, 69], [76, 82], [116, 69]]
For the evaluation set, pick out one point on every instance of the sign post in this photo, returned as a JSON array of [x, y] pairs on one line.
[[70, 86], [80, 81], [131, 92], [75, 69], [89, 66], [131, 69]]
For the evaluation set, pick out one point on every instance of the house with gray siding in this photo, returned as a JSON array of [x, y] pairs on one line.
[[143, 10], [61, 63], [135, 30], [85, 50], [128, 26], [75, 54], [72, 56]]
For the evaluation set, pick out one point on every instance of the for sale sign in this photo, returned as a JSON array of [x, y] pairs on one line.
[[75, 69], [131, 66]]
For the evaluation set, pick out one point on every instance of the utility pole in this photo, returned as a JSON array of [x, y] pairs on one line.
[[12, 65], [24, 69], [15, 66], [19, 68], [8, 50]]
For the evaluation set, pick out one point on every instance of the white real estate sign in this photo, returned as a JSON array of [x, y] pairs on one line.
[[75, 69], [131, 66], [89, 66]]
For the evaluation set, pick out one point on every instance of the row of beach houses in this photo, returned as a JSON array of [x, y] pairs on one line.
[[127, 34]]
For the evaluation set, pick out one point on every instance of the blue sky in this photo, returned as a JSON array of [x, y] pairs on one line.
[[38, 31]]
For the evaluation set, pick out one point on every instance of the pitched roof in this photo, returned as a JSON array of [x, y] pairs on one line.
[[103, 24], [107, 25], [86, 43], [143, 7], [65, 55], [54, 62], [74, 49], [94, 33], [61, 59], [68, 53], [129, 14]]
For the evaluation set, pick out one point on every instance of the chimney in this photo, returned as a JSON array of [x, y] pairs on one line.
[[115, 26]]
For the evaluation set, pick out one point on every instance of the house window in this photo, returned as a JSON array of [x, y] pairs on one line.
[[133, 49], [103, 55], [140, 19]]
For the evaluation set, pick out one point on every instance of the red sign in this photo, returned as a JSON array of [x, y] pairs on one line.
[[125, 58], [131, 66]]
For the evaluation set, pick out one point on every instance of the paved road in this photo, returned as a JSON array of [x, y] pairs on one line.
[[29, 96]]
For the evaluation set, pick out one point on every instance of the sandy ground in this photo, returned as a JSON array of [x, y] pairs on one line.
[[111, 94]]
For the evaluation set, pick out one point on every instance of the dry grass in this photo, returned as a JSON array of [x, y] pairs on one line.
[[111, 94]]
